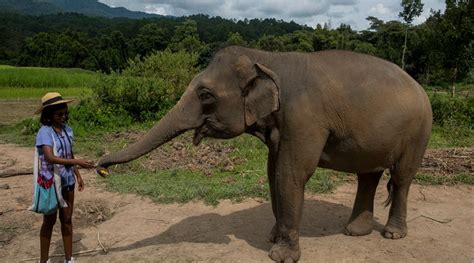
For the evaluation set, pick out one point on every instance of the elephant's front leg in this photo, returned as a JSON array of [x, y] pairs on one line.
[[272, 155], [295, 161]]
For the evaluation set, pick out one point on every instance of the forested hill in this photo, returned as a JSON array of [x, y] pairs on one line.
[[87, 7], [99, 43], [438, 51]]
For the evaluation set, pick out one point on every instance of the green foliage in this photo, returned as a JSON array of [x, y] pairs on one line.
[[448, 44], [453, 119], [150, 37], [56, 50], [186, 38], [438, 51], [298, 41], [452, 111], [411, 9], [148, 88], [271, 43], [35, 77], [29, 126], [89, 117], [236, 39]]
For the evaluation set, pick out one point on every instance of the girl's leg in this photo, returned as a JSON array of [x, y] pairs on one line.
[[45, 235], [65, 216]]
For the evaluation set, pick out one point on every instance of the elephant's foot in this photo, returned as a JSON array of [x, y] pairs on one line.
[[361, 225], [395, 230], [281, 252], [274, 234]]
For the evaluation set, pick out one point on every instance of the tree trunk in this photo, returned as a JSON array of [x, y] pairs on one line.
[[453, 84], [404, 48]]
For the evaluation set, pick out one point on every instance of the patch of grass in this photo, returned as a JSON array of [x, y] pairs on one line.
[[429, 179], [37, 77], [451, 136], [246, 180], [37, 93], [183, 186]]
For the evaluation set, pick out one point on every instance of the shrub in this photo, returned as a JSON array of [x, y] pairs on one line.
[[148, 88], [89, 116], [452, 111]]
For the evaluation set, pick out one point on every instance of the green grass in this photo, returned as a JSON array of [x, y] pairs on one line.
[[429, 179], [246, 180], [443, 137], [37, 93], [33, 82]]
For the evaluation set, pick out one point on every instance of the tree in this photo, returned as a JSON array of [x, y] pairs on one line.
[[301, 40], [271, 43], [236, 39], [186, 38], [457, 34], [150, 37], [411, 9]]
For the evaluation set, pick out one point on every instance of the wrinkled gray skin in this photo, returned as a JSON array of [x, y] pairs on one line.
[[334, 109]]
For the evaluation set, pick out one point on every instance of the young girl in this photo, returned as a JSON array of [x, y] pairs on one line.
[[55, 133]]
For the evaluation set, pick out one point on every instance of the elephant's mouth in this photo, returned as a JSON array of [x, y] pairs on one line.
[[210, 128], [199, 134]]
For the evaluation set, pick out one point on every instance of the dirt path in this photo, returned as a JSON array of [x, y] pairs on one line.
[[134, 229]]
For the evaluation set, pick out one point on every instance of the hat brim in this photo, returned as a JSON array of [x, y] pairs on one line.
[[54, 103]]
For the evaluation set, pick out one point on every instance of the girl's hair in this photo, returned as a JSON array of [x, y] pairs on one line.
[[47, 113]]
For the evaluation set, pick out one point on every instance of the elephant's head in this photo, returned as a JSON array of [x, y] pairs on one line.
[[222, 101]]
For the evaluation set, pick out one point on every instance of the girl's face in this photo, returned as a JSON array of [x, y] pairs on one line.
[[60, 117]]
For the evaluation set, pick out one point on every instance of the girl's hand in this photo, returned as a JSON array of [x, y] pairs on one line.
[[85, 163], [80, 184]]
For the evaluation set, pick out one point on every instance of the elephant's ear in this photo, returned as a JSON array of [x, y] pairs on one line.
[[260, 88]]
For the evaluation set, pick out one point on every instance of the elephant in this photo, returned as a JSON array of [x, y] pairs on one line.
[[333, 109]]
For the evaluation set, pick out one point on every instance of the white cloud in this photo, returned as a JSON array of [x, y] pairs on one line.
[[308, 12], [156, 10]]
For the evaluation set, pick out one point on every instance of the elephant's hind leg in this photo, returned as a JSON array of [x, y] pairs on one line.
[[361, 221], [402, 174]]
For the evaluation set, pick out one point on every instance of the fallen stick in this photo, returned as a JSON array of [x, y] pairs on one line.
[[6, 211], [430, 218], [98, 240], [15, 173]]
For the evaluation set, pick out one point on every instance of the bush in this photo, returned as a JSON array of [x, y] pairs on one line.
[[452, 111], [89, 116], [148, 88]]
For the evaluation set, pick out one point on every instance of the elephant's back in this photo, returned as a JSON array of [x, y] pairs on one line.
[[368, 83], [374, 110]]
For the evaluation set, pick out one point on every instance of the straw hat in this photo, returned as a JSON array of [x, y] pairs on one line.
[[51, 98]]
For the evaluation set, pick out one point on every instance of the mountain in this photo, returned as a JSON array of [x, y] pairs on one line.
[[86, 7]]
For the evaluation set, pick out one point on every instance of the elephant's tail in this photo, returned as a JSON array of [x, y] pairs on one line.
[[390, 193]]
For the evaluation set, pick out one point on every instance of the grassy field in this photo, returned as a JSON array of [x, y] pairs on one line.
[[31, 82], [21, 89]]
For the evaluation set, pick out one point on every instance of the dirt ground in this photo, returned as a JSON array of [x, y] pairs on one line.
[[111, 227]]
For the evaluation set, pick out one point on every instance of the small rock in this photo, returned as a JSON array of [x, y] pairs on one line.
[[5, 186]]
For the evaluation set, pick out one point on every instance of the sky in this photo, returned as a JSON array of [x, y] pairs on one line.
[[304, 12]]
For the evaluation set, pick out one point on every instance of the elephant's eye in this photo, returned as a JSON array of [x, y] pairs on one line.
[[207, 97]]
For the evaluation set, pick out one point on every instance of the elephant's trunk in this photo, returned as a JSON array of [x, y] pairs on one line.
[[182, 117]]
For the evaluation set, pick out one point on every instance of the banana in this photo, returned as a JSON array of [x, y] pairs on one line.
[[103, 172]]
